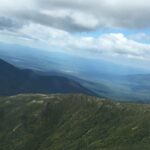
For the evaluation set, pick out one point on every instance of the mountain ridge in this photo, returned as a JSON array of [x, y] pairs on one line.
[[14, 81], [72, 122]]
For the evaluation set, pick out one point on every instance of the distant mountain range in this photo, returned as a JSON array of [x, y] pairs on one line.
[[14, 80], [47, 60], [105, 78]]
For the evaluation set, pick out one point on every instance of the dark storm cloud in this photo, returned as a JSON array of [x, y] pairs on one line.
[[9, 24], [79, 15], [66, 23], [124, 14]]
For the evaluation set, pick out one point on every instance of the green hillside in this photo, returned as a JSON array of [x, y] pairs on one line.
[[72, 122]]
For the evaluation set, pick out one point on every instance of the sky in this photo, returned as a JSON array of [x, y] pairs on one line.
[[118, 30]]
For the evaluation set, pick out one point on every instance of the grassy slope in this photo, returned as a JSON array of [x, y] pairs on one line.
[[72, 122]]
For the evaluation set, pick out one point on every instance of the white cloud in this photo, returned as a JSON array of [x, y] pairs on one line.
[[53, 24], [120, 44], [140, 37], [105, 44]]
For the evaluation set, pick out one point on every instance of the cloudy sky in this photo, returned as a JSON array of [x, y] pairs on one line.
[[91, 28]]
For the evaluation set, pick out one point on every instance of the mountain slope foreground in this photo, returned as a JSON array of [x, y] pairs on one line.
[[72, 122]]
